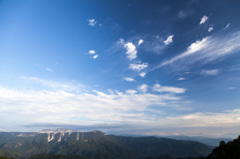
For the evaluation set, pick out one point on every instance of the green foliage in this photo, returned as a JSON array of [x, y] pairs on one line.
[[9, 154], [51, 156], [152, 146], [2, 157], [96, 145]]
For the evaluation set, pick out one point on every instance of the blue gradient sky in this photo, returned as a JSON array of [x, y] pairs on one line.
[[135, 67]]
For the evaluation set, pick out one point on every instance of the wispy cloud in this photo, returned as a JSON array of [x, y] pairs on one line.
[[181, 79], [185, 13], [92, 22], [129, 79], [231, 88], [49, 69], [213, 72], [227, 25], [206, 50], [168, 40], [138, 67], [121, 41], [143, 88], [203, 19], [131, 91], [158, 88], [193, 48], [53, 85], [131, 50]]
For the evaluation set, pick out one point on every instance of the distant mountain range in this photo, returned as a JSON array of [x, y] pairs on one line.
[[94, 145], [205, 140]]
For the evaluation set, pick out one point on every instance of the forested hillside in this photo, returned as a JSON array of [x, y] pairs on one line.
[[95, 145]]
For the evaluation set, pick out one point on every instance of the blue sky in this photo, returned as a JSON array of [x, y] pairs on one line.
[[143, 67]]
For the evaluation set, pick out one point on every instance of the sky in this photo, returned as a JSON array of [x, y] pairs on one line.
[[136, 67]]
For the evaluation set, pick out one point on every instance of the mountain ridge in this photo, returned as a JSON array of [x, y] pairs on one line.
[[95, 145]]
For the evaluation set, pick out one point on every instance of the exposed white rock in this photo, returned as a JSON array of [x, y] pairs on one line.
[[61, 132], [50, 137]]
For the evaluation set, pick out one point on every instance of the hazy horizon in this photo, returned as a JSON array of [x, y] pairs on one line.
[[123, 67]]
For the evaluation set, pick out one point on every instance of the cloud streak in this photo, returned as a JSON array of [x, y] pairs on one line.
[[129, 79], [159, 88], [213, 72], [138, 67], [206, 50]]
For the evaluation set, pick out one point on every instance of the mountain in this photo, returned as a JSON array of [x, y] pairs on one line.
[[94, 145], [152, 146], [208, 141], [51, 156]]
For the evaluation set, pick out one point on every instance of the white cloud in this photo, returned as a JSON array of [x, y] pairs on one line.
[[158, 88], [197, 46], [121, 41], [92, 52], [131, 50], [49, 69], [140, 41], [129, 79], [131, 91], [227, 25], [142, 74], [169, 40], [204, 19], [95, 56], [193, 48], [210, 29], [92, 22], [138, 67], [53, 85], [213, 72], [181, 78], [205, 51], [25, 107], [143, 88]]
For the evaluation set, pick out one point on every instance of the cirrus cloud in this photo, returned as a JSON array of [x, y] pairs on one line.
[[158, 88], [138, 67]]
